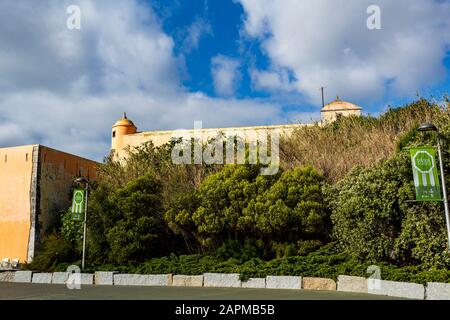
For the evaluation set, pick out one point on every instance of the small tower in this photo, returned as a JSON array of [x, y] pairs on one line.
[[120, 129], [332, 111]]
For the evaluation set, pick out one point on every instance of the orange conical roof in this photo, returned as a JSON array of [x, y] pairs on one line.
[[124, 122]]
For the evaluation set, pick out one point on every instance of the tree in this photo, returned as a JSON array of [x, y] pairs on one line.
[[238, 204], [131, 220]]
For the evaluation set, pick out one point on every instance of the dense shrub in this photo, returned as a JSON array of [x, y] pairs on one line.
[[53, 252], [374, 215], [239, 204], [128, 222]]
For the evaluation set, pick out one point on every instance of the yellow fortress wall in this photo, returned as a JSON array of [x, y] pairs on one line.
[[125, 135]]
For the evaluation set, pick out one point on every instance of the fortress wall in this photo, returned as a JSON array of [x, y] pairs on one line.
[[15, 176], [249, 134], [35, 184], [58, 170]]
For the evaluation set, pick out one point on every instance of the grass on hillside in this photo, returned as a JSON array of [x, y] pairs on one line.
[[354, 141]]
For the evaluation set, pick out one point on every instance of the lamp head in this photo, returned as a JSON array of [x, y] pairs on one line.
[[427, 127], [81, 180]]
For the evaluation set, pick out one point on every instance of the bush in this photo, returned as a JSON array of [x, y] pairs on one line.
[[53, 252], [375, 219], [237, 206]]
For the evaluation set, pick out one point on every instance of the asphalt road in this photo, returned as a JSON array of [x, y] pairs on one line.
[[16, 291]]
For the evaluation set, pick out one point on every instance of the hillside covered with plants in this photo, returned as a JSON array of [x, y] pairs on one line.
[[340, 203]]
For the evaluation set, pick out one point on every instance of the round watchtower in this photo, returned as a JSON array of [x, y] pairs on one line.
[[120, 129], [332, 111]]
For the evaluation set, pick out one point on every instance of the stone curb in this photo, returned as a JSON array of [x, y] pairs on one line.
[[60, 277], [320, 284], [352, 284], [396, 289], [187, 281], [283, 282], [254, 283], [104, 278], [161, 280], [87, 279], [221, 280], [437, 291], [23, 276], [432, 291], [7, 276], [42, 278]]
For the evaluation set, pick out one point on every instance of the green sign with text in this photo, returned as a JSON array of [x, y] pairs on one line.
[[426, 179], [78, 204]]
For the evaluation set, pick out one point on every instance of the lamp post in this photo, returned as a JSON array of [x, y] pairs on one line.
[[86, 182], [427, 127]]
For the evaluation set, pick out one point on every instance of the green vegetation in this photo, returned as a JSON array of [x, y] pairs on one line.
[[340, 203]]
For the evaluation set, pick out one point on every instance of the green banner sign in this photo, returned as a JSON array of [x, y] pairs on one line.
[[78, 204], [425, 174]]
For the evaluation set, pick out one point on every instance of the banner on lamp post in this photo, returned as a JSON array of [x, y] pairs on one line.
[[78, 204], [426, 179]]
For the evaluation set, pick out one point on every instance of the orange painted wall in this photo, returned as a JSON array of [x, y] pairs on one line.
[[15, 182], [56, 174]]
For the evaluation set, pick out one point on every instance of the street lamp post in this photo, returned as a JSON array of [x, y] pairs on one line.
[[86, 182], [431, 127]]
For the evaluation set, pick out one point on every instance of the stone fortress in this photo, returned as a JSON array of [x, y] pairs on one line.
[[125, 134], [36, 181]]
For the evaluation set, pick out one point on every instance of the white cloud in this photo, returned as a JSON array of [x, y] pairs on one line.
[[271, 80], [199, 29], [327, 43], [65, 88], [225, 73]]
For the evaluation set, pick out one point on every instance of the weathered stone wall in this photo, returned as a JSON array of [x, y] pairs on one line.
[[58, 170], [248, 134]]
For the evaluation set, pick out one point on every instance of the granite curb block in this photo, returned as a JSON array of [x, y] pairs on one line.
[[187, 281], [220, 280], [7, 276], [104, 278], [60, 277], [23, 276], [319, 284], [283, 282], [160, 280], [254, 283], [396, 289], [437, 291], [352, 284], [87, 279], [42, 278]]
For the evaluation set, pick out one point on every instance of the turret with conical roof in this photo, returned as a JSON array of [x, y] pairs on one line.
[[121, 128]]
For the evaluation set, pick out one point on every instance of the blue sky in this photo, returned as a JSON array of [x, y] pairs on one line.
[[224, 36], [226, 63]]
